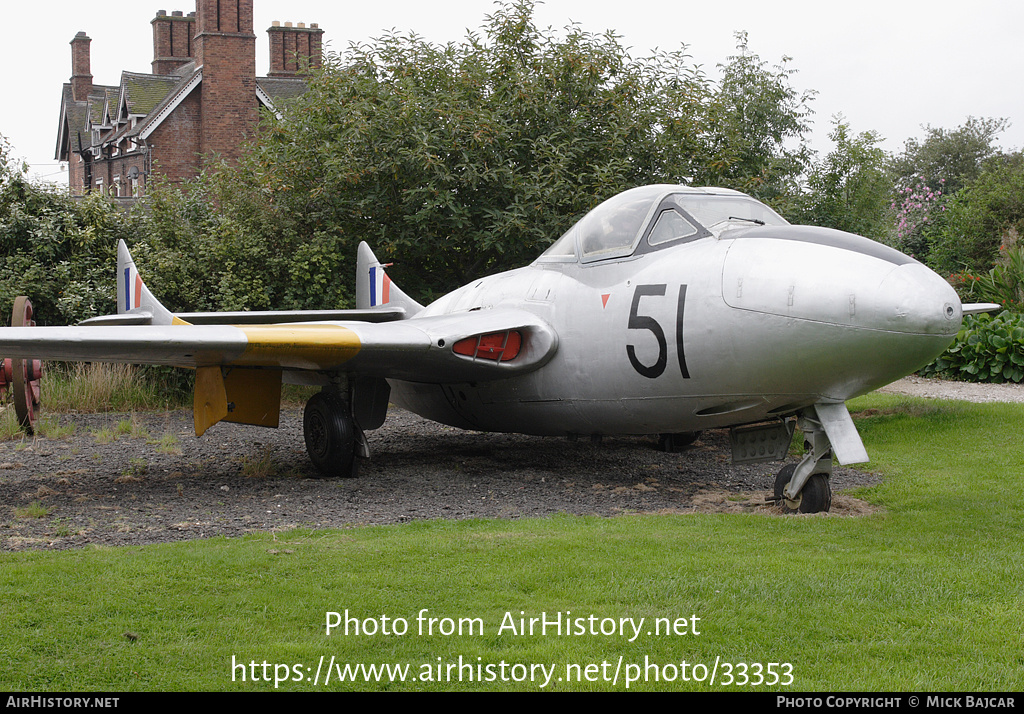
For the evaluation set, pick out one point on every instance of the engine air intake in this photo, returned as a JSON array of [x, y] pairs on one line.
[[496, 346]]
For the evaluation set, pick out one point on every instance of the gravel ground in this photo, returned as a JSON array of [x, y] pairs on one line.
[[157, 482], [967, 391]]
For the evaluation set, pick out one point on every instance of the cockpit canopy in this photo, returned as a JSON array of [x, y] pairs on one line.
[[650, 218]]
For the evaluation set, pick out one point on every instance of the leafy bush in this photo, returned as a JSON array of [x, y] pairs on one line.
[[59, 251], [987, 349], [919, 210], [1004, 284], [983, 216], [849, 189]]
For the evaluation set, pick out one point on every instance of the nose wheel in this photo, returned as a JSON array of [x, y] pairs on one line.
[[814, 497]]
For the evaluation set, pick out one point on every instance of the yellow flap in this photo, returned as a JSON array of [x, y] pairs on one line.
[[254, 396], [210, 402]]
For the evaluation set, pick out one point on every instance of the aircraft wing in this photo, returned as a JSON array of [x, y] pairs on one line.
[[241, 359], [470, 346], [253, 317]]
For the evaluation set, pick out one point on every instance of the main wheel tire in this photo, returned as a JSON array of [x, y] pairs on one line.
[[677, 442], [330, 435], [814, 497]]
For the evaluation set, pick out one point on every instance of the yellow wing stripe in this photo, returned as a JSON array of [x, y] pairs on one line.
[[301, 346]]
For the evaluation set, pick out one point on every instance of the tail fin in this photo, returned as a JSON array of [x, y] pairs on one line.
[[132, 294], [375, 289]]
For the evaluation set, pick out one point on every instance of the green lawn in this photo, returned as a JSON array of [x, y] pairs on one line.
[[924, 595]]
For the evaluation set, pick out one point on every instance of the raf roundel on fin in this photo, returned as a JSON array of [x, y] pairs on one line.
[[132, 293], [380, 286], [375, 289]]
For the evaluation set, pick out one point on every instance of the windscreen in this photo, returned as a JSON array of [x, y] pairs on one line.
[[711, 210], [609, 230]]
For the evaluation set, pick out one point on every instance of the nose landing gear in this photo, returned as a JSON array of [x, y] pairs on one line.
[[804, 487]]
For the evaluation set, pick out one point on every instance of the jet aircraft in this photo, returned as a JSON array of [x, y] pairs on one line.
[[666, 310]]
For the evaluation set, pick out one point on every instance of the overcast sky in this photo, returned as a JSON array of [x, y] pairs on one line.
[[891, 66]]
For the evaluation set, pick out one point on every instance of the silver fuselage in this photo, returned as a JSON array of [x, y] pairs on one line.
[[752, 323]]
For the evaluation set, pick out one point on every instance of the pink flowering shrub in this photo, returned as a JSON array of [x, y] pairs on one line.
[[915, 207]]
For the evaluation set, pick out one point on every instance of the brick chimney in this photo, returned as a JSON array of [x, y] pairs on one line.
[[172, 40], [294, 50], [225, 48], [81, 74]]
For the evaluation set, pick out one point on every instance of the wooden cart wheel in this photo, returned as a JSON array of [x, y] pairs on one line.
[[25, 371]]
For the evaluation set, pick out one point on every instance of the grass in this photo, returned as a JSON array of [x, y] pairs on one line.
[[33, 510], [296, 396], [97, 387], [925, 595], [105, 435], [49, 427], [137, 468], [130, 427], [100, 387], [167, 444], [62, 528], [262, 466], [9, 426]]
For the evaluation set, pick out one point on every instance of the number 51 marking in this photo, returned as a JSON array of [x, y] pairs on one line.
[[646, 322]]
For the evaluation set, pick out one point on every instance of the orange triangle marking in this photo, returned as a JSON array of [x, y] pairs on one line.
[[604, 300]]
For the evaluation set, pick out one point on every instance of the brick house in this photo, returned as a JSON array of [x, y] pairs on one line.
[[200, 101]]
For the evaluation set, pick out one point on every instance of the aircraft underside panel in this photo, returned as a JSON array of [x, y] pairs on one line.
[[461, 405]]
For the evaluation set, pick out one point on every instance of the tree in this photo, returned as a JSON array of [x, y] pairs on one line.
[[953, 157], [760, 126], [984, 218], [464, 159], [468, 158], [58, 251], [850, 188], [929, 173]]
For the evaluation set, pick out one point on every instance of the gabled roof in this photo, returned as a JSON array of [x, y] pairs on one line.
[[98, 99], [170, 102], [114, 137], [150, 97], [268, 90], [71, 115], [271, 90], [281, 87], [141, 93], [77, 118]]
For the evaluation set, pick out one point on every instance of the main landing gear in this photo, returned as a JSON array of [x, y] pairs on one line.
[[804, 487], [673, 443], [332, 437]]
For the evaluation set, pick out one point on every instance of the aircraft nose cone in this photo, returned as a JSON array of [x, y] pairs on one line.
[[915, 300]]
